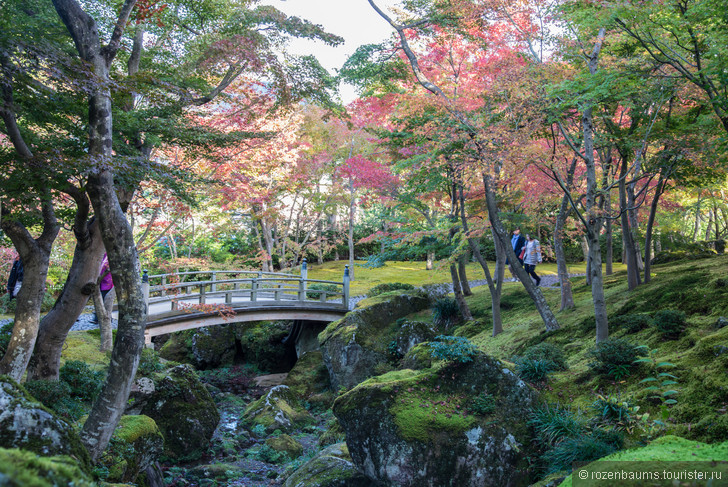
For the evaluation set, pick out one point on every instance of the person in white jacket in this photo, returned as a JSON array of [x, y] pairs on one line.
[[532, 257]]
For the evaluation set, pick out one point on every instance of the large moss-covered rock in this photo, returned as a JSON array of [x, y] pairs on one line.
[[136, 445], [331, 467], [671, 449], [213, 346], [22, 468], [417, 427], [26, 424], [309, 376], [354, 345], [184, 411], [277, 409], [178, 347]]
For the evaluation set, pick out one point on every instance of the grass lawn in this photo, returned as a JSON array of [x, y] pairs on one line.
[[414, 272]]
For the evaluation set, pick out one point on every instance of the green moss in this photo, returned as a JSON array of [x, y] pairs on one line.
[[665, 449], [20, 468], [286, 444], [131, 428], [277, 409], [83, 346], [309, 376]]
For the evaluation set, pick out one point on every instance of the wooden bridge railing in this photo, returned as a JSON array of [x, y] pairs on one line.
[[263, 288]]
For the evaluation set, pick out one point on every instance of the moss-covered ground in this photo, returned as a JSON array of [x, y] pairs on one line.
[[699, 354]]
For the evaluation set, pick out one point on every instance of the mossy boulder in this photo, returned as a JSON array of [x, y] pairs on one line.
[[418, 357], [309, 376], [135, 446], [22, 468], [286, 444], [416, 427], [184, 411], [28, 425], [178, 347], [331, 467], [410, 334], [277, 409], [354, 345], [213, 346], [671, 449]]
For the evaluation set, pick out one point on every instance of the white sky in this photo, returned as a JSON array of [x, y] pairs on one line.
[[354, 20]]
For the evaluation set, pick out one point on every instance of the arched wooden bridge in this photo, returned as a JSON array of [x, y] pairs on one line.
[[189, 300]]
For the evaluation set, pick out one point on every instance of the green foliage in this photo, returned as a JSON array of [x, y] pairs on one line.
[[321, 287], [580, 449], [8, 306], [56, 396], [5, 332], [612, 410], [374, 262], [483, 404], [445, 312], [387, 287], [660, 385], [259, 431], [632, 322], [454, 349], [670, 323], [547, 351], [554, 423], [533, 370], [237, 379], [149, 363], [615, 357], [269, 455], [84, 383]]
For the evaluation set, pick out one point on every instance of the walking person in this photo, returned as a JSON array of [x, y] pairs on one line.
[[532, 257], [517, 242], [15, 281]]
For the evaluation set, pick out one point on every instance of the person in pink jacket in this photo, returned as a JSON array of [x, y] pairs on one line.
[[106, 283]]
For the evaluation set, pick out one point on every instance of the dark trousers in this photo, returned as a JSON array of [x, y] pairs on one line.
[[531, 270]]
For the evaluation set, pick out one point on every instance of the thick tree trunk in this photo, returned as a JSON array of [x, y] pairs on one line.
[[115, 229], [55, 325], [634, 228], [35, 254]]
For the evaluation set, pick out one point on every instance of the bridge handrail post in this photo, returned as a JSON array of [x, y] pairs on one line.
[[145, 290], [254, 290], [346, 287], [203, 293], [164, 284], [213, 286], [301, 290]]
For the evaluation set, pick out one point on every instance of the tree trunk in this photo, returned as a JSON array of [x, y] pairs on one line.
[[35, 255], [609, 269], [633, 228], [630, 250], [54, 326], [459, 299], [430, 260], [464, 284], [534, 292], [352, 210], [593, 223], [650, 224], [115, 230], [567, 297], [697, 220], [104, 319]]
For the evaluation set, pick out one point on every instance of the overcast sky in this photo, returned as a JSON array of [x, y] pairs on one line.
[[354, 20]]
